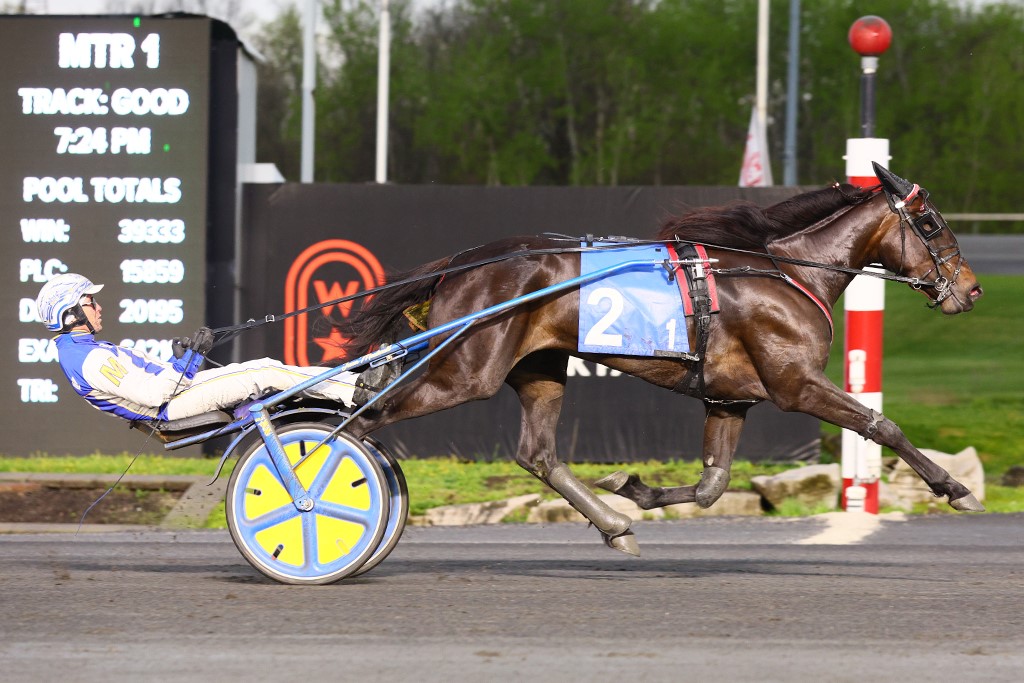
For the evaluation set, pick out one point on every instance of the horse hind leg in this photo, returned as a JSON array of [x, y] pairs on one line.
[[722, 427], [614, 526], [539, 380], [629, 485]]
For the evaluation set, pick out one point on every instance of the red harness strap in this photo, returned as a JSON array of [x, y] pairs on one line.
[[684, 285], [702, 253], [817, 302]]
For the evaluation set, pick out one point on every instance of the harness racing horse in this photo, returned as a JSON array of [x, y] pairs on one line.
[[769, 342]]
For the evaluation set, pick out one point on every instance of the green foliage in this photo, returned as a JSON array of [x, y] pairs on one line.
[[1003, 499], [217, 518], [578, 92], [944, 95], [279, 100], [447, 481], [791, 507]]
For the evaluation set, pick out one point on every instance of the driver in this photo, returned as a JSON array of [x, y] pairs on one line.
[[135, 386]]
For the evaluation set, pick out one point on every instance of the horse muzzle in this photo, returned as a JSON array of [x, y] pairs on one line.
[[960, 299]]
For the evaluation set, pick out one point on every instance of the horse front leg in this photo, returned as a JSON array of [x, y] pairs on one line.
[[824, 400], [539, 380], [722, 426]]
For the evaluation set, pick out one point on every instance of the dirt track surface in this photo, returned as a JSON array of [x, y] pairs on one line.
[[38, 503], [711, 599]]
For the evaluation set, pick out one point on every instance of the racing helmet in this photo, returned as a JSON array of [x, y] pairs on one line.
[[58, 300]]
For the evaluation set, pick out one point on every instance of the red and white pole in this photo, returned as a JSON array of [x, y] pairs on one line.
[[869, 36]]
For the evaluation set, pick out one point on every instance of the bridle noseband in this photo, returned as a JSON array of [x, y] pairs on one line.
[[928, 225]]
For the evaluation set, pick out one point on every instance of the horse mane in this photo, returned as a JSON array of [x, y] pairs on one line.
[[744, 225]]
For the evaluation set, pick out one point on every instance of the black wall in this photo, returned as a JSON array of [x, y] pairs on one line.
[[605, 418]]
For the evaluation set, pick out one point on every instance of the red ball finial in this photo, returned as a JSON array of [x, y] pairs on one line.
[[870, 36]]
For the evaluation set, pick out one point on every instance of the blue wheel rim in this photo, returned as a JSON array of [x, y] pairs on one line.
[[350, 506]]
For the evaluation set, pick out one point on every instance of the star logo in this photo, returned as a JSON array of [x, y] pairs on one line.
[[333, 345]]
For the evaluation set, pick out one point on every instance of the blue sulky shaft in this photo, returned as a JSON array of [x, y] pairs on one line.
[[399, 349], [417, 339]]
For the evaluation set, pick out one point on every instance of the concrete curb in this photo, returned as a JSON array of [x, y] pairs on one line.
[[196, 504], [199, 499]]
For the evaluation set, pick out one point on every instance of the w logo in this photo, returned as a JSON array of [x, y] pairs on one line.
[[326, 271]]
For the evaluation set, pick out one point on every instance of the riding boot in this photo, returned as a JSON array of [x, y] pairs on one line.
[[374, 380]]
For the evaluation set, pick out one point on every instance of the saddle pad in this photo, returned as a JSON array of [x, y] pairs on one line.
[[636, 312]]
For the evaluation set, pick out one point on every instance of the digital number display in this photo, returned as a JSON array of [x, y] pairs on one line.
[[105, 122]]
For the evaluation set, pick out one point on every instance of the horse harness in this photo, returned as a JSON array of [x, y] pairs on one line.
[[693, 261], [928, 226], [696, 269]]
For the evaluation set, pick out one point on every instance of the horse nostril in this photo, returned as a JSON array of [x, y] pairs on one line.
[[976, 292]]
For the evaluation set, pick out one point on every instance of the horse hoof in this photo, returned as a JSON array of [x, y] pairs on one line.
[[624, 542], [967, 503], [713, 483], [613, 482]]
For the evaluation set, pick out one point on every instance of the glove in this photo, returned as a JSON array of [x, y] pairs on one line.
[[201, 342], [179, 345]]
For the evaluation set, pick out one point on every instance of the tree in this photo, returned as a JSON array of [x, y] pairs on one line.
[[579, 92], [279, 98]]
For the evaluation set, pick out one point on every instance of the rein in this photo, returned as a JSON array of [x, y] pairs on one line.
[[941, 284], [915, 282], [270, 318]]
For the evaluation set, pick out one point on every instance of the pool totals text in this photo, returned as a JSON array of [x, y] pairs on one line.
[[106, 122]]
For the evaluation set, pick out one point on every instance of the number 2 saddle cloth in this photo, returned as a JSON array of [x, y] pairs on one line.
[[642, 311]]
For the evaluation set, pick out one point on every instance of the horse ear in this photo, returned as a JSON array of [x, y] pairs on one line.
[[894, 186]]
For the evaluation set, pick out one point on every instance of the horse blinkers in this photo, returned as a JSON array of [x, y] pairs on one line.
[[929, 224]]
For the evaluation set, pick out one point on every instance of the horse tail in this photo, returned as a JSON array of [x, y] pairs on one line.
[[380, 320]]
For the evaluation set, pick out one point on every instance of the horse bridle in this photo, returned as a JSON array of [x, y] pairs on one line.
[[928, 225]]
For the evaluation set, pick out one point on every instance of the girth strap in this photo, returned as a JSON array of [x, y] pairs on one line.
[[696, 274]]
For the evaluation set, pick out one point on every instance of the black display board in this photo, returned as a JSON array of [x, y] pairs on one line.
[[306, 244], [107, 130]]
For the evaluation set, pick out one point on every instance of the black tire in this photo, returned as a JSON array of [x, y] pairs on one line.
[[399, 512]]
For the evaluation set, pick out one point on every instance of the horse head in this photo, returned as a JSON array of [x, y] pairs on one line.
[[931, 254]]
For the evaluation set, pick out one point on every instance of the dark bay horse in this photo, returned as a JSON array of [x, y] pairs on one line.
[[769, 342]]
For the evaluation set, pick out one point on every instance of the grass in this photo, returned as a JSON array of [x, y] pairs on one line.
[[949, 382], [98, 463], [954, 381], [447, 481]]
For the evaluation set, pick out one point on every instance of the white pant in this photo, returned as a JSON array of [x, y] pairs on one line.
[[232, 384]]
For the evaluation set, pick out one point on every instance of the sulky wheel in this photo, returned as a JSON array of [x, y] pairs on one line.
[[399, 503], [351, 500]]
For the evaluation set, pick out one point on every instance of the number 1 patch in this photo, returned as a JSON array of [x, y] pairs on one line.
[[635, 312]]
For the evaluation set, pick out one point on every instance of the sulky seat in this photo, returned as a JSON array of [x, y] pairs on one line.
[[171, 430]]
